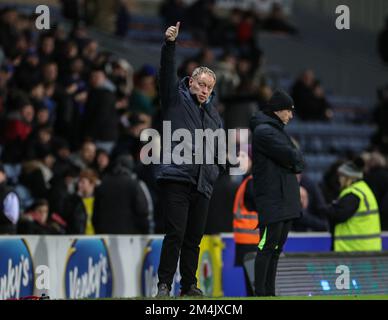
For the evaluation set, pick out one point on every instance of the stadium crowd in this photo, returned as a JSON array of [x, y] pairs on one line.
[[71, 116]]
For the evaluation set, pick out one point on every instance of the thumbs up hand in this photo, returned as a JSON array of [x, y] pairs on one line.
[[172, 32]]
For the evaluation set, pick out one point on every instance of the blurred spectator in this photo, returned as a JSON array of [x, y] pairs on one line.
[[129, 141], [381, 118], [42, 117], [144, 96], [376, 176], [62, 157], [8, 33], [277, 21], [102, 14], [120, 205], [6, 73], [37, 220], [382, 42], [231, 28], [36, 174], [202, 20], [74, 10], [46, 49], [62, 186], [312, 200], [122, 77], [227, 77], [220, 218], [123, 18], [89, 53], [264, 93], [72, 103], [40, 141], [187, 67], [354, 216], [247, 35], [330, 185], [18, 127], [309, 98], [68, 53], [101, 162], [79, 207], [100, 120], [86, 156], [9, 205], [28, 72]]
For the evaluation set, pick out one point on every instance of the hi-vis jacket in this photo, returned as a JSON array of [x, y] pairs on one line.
[[245, 222]]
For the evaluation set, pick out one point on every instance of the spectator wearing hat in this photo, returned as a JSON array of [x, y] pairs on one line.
[[9, 205], [276, 163], [354, 216]]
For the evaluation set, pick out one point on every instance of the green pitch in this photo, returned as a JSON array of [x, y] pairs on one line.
[[363, 297]]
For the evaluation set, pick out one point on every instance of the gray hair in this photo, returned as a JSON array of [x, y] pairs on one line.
[[200, 70]]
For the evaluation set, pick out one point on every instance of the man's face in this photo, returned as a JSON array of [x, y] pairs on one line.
[[88, 152], [202, 86], [284, 115], [344, 181]]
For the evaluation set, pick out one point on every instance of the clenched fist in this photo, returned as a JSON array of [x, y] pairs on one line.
[[172, 32]]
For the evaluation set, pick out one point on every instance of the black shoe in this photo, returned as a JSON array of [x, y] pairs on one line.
[[194, 291], [163, 291]]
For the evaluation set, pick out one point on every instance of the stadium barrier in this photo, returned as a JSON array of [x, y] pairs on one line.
[[74, 267]]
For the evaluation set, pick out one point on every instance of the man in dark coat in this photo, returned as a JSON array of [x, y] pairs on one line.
[[185, 188], [276, 161], [121, 205]]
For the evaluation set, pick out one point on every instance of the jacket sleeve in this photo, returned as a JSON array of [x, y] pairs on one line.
[[341, 210], [168, 79], [282, 152]]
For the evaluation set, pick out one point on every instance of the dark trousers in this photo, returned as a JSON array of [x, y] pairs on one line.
[[185, 212], [273, 238], [241, 251]]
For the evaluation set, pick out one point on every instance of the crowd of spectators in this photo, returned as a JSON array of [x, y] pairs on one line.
[[71, 116]]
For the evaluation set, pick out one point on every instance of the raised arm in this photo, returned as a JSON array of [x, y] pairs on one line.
[[168, 80]]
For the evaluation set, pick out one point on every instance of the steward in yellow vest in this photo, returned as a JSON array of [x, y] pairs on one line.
[[355, 214]]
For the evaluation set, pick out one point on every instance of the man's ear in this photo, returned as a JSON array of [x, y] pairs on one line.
[[190, 81]]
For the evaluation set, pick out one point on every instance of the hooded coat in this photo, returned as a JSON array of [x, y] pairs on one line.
[[276, 161]]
